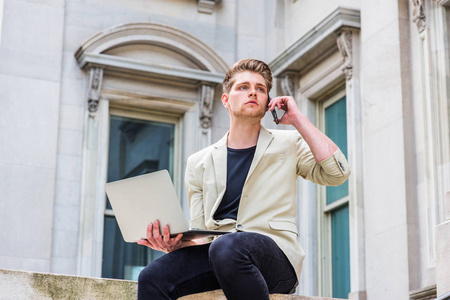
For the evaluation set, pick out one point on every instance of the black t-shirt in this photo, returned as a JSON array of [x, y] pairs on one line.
[[238, 165]]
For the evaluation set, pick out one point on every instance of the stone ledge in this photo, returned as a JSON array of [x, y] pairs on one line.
[[32, 285], [218, 295]]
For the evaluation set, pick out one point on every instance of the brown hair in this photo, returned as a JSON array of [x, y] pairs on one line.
[[247, 64]]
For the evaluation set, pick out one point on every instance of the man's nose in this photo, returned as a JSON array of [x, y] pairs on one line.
[[252, 92]]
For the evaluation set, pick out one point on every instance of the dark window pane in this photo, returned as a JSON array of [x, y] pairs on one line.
[[136, 147], [340, 242], [336, 129], [123, 260]]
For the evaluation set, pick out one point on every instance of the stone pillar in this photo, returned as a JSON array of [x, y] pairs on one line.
[[91, 214], [442, 234], [384, 90], [348, 42]]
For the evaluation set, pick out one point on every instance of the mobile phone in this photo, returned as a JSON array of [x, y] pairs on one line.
[[274, 113]]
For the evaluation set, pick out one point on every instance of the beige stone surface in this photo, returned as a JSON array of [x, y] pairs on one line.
[[218, 295], [443, 258], [27, 285], [447, 206]]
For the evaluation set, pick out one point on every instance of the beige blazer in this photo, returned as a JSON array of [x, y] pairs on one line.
[[268, 205]]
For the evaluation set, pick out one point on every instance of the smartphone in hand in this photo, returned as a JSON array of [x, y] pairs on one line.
[[274, 113]]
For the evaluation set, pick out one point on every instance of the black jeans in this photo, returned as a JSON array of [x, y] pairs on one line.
[[244, 265]]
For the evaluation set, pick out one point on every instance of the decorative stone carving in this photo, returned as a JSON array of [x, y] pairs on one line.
[[206, 105], [419, 15], [427, 293], [288, 84], [95, 86], [345, 44], [206, 6], [443, 2]]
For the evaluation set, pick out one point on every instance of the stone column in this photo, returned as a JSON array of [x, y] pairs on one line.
[[91, 214], [384, 92], [349, 43]]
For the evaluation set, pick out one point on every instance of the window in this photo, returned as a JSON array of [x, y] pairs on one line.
[[335, 207], [138, 144]]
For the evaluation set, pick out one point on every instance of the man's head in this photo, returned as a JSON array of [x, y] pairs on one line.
[[252, 65]]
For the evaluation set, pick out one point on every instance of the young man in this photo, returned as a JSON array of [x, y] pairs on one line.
[[245, 184]]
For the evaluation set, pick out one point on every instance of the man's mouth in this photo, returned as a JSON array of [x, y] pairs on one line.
[[252, 102]]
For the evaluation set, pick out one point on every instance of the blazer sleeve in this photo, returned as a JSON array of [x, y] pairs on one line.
[[195, 197], [333, 170]]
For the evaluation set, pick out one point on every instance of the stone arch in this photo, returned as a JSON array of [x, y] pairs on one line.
[[153, 34]]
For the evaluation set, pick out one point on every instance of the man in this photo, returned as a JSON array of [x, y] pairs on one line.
[[245, 184]]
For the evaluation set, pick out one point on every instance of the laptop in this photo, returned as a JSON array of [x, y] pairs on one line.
[[139, 200]]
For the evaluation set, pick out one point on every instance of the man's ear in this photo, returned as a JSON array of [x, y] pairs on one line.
[[225, 100]]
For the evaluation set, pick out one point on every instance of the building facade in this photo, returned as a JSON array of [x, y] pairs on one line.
[[95, 91]]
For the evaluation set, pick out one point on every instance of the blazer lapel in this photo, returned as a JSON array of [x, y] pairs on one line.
[[264, 140], [219, 156]]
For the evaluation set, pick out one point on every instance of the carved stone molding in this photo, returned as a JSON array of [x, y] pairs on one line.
[[288, 84], [345, 44], [427, 293], [419, 15], [206, 6], [95, 86], [91, 52], [443, 2], [315, 43], [206, 105]]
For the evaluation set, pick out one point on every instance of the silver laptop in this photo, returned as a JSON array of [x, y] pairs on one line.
[[139, 200]]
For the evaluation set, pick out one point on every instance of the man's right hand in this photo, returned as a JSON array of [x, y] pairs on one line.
[[159, 242]]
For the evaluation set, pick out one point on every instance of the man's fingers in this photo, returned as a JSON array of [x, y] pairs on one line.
[[160, 241], [157, 237], [144, 242], [178, 237], [150, 231], [166, 234], [156, 232]]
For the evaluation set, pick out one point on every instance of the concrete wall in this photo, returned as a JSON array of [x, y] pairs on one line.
[[30, 81], [301, 16]]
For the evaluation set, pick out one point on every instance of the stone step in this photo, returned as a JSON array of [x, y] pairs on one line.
[[19, 285], [218, 295], [30, 285]]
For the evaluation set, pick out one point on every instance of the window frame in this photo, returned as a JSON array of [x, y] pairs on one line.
[[162, 117], [324, 210], [148, 115]]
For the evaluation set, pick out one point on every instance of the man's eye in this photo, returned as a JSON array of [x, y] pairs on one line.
[[261, 90], [243, 87]]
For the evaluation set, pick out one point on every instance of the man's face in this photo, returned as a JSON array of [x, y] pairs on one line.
[[247, 97]]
